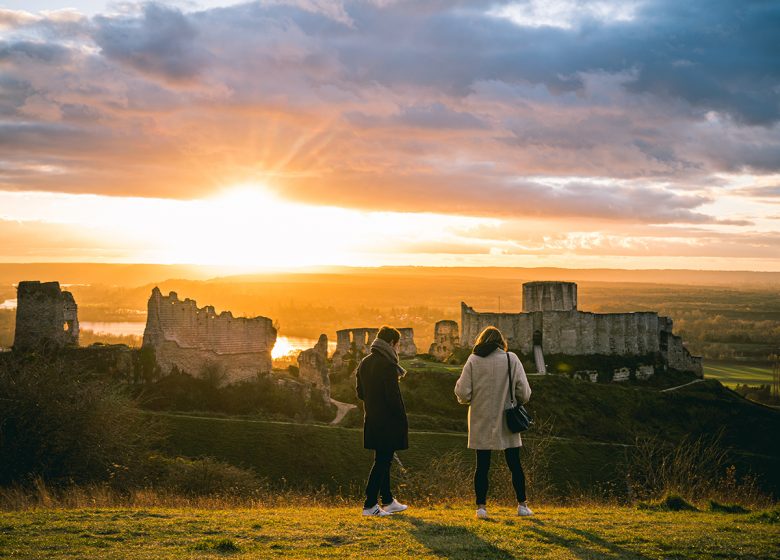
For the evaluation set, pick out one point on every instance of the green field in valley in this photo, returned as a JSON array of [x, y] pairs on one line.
[[731, 373], [309, 531]]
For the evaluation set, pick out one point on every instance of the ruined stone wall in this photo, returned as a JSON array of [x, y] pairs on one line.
[[191, 338], [406, 347], [578, 332], [359, 341], [313, 366], [583, 333], [549, 296], [568, 332], [46, 317], [675, 353], [70, 314], [518, 328], [188, 326], [445, 339]]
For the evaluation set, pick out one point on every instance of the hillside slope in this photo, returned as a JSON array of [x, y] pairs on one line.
[[593, 427]]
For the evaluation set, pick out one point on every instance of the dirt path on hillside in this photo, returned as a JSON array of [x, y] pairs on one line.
[[681, 386], [343, 408]]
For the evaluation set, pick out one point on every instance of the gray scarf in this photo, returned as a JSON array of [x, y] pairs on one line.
[[385, 349]]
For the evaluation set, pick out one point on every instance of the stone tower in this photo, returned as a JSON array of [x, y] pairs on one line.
[[549, 296], [445, 339], [46, 317]]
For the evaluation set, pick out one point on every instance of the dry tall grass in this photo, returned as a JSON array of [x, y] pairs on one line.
[[42, 496], [697, 469]]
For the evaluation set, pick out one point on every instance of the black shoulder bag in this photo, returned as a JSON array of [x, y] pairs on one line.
[[517, 417]]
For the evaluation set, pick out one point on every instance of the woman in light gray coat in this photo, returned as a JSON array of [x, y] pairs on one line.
[[484, 386]]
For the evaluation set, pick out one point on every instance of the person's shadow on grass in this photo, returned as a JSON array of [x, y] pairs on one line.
[[454, 542], [577, 547]]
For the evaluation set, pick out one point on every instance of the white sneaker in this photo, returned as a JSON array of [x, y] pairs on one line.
[[394, 507], [524, 511], [482, 513], [375, 511]]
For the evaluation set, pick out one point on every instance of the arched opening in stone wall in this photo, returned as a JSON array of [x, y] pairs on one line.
[[537, 338]]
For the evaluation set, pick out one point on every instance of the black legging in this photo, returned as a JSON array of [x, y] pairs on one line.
[[379, 478], [512, 456]]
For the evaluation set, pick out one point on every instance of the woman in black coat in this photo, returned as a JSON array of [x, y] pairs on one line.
[[385, 427]]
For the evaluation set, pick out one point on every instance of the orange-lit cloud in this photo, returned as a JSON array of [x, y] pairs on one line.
[[583, 119]]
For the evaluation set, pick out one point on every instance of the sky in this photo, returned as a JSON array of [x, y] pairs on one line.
[[284, 133]]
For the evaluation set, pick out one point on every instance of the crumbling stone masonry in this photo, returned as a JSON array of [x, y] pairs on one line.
[[358, 341], [445, 339], [313, 366], [192, 338], [406, 346], [46, 317], [549, 296], [555, 324]]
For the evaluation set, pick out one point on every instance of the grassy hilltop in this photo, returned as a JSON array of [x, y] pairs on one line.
[[309, 531]]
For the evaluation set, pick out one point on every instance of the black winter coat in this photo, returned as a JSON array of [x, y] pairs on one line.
[[384, 423]]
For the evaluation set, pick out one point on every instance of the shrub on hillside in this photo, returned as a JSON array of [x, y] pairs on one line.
[[268, 394], [199, 477], [459, 355], [759, 393], [671, 502], [65, 427], [727, 508], [694, 469]]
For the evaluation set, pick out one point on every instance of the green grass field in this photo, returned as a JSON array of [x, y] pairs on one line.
[[338, 532], [332, 457], [731, 373], [594, 425]]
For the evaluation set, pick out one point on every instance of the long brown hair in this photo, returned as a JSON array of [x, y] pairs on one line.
[[491, 334]]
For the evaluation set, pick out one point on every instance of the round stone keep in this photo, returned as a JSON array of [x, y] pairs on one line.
[[549, 296]]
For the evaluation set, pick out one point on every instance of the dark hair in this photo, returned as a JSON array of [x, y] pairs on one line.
[[389, 334], [491, 334]]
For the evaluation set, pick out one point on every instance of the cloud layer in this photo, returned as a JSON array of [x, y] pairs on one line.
[[640, 112]]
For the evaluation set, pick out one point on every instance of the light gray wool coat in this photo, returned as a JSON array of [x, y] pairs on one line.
[[484, 386]]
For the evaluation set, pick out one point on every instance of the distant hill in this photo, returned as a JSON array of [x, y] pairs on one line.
[[133, 275]]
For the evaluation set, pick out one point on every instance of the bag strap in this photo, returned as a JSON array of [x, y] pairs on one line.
[[509, 373]]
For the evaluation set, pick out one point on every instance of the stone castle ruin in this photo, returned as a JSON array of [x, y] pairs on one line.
[[46, 317], [358, 343], [445, 339], [551, 324], [313, 364], [192, 338]]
